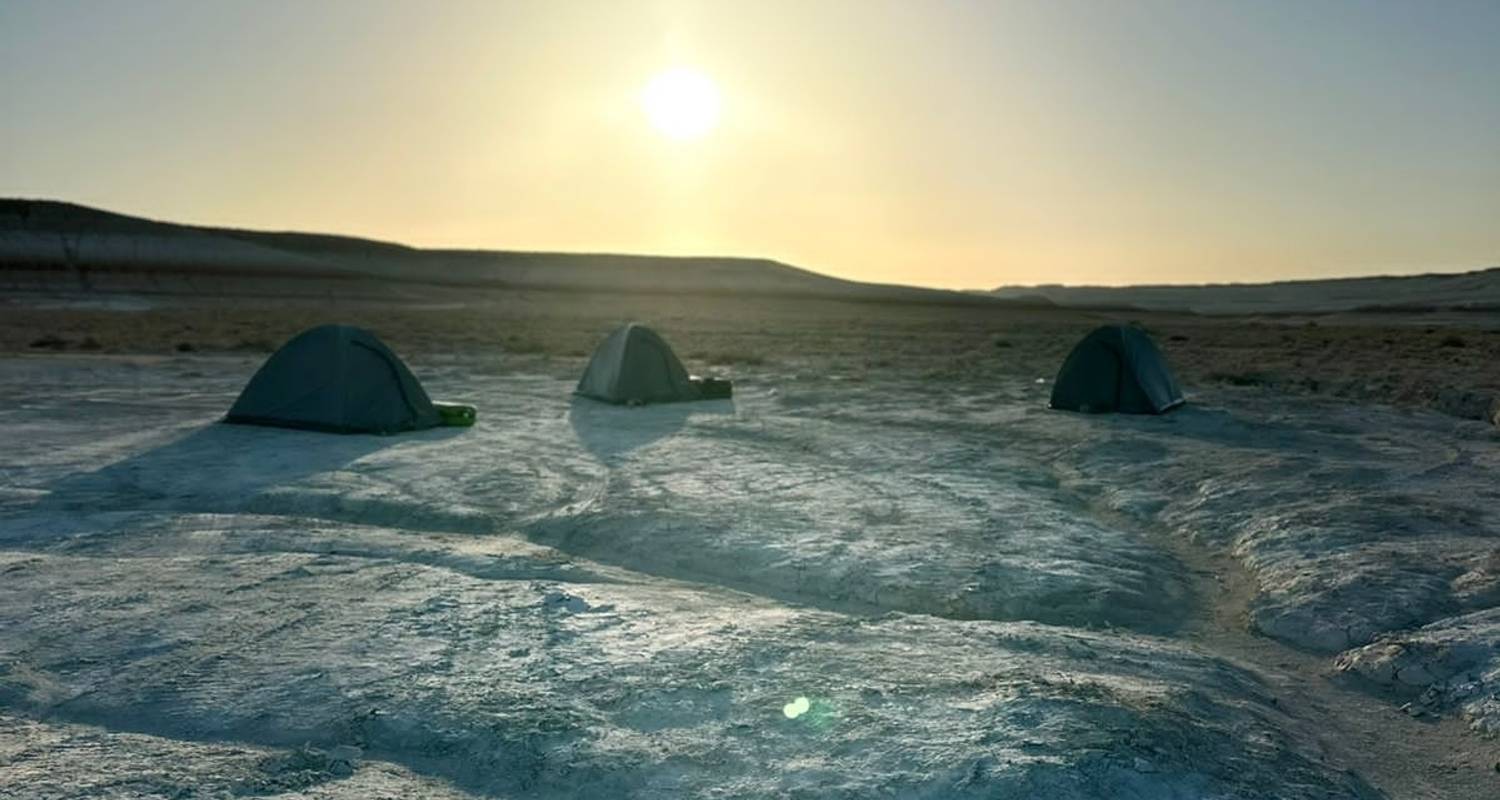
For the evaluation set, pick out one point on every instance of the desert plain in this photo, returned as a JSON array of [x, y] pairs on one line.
[[883, 569]]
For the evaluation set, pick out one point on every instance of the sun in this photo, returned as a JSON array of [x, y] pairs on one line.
[[683, 104]]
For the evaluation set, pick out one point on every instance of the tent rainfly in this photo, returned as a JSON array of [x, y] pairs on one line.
[[1116, 368], [634, 366], [336, 378]]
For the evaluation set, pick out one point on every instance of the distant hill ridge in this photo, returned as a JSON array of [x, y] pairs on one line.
[[48, 236], [1478, 290], [54, 235]]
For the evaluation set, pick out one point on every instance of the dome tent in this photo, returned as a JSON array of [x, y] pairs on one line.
[[635, 365], [1116, 368], [335, 378]]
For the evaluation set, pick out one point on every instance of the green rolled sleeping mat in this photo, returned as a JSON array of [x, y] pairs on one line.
[[713, 388], [456, 415]]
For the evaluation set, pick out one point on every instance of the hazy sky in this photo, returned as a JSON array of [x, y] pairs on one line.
[[939, 143]]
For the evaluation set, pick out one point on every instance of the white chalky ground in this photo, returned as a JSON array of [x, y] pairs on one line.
[[819, 589]]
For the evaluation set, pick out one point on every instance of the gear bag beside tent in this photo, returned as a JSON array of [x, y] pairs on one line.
[[336, 378], [635, 366], [1116, 368]]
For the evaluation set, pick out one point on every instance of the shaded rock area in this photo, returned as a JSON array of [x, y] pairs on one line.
[[1354, 521], [68, 760], [1451, 666]]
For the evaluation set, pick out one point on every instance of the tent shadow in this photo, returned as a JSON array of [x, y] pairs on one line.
[[612, 432], [1222, 426], [217, 468]]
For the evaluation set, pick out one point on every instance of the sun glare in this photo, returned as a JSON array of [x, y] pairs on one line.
[[682, 104]]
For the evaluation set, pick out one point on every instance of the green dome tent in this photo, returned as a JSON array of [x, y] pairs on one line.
[[635, 365], [335, 378], [1116, 368]]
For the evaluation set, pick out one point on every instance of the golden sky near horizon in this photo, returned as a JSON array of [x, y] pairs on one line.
[[945, 144]]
